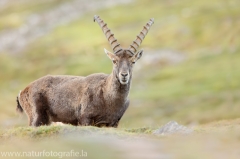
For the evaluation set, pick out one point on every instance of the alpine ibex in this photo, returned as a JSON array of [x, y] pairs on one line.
[[97, 100]]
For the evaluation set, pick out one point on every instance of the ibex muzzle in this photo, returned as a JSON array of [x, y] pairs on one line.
[[98, 99]]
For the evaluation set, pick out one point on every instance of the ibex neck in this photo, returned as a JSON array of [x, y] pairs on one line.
[[116, 89]]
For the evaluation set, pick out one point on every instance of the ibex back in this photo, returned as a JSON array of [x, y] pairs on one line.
[[97, 100]]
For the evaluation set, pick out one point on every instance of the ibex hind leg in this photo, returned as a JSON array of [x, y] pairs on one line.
[[40, 111], [26, 105], [29, 112], [29, 115]]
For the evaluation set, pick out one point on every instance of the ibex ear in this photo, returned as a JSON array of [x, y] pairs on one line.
[[109, 54], [137, 56]]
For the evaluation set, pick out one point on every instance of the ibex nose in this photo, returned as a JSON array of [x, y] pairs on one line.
[[124, 74]]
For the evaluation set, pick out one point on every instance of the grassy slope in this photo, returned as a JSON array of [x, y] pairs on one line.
[[201, 89], [214, 140]]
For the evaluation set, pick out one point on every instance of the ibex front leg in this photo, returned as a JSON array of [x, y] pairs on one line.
[[85, 120], [115, 125]]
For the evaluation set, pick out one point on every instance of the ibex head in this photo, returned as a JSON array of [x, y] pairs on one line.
[[123, 59]]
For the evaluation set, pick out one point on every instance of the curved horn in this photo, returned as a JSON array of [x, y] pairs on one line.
[[136, 43], [110, 37]]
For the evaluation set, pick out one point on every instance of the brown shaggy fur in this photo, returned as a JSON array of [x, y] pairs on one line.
[[98, 99]]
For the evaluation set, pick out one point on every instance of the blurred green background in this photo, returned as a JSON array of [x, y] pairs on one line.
[[189, 72]]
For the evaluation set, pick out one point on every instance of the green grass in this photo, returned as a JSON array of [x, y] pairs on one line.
[[55, 131]]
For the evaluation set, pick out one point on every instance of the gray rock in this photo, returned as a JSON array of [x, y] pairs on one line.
[[173, 127]]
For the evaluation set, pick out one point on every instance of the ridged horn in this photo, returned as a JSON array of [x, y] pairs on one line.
[[136, 43], [110, 37]]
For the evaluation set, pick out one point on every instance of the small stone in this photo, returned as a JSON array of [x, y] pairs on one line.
[[173, 127]]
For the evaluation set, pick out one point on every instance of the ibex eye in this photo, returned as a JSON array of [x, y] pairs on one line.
[[133, 62], [114, 61]]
